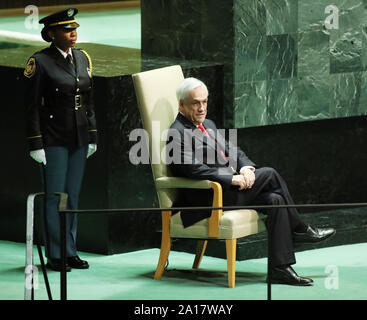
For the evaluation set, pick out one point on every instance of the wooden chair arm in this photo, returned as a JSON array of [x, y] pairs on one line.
[[214, 219], [179, 182]]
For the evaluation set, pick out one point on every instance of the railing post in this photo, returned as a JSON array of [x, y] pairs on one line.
[[269, 267], [63, 280]]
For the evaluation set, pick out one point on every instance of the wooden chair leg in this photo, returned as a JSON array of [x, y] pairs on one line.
[[165, 245], [200, 249], [231, 261]]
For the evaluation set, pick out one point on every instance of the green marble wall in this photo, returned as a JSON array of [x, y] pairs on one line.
[[282, 63]]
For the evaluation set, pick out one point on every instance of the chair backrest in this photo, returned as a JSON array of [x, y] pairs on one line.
[[156, 95]]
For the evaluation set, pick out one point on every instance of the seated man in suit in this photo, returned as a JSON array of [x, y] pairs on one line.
[[205, 154]]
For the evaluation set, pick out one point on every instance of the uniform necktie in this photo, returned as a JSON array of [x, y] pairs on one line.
[[202, 129], [69, 59]]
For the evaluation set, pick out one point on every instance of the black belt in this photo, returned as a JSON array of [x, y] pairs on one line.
[[74, 101]]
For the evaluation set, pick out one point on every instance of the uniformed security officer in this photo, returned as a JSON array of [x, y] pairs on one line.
[[61, 126]]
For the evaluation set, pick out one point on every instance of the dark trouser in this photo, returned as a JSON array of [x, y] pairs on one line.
[[270, 189], [63, 172]]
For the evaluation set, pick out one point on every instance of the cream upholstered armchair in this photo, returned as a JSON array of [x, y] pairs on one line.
[[158, 105]]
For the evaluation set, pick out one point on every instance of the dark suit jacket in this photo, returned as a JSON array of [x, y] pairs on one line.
[[52, 86], [197, 162]]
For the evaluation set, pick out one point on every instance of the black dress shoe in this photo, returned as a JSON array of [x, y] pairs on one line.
[[313, 235], [77, 263], [55, 264], [286, 275]]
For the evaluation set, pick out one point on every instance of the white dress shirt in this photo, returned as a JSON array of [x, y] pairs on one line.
[[65, 54]]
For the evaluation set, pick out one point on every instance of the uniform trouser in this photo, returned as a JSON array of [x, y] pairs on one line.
[[270, 189], [63, 172]]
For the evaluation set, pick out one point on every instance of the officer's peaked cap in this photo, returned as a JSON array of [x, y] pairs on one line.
[[64, 18]]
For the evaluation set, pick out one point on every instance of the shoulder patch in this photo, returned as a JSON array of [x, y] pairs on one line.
[[30, 69], [90, 69]]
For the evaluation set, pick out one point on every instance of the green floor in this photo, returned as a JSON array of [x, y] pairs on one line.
[[119, 27], [338, 273]]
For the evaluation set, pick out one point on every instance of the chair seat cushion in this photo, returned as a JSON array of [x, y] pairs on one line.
[[233, 224]]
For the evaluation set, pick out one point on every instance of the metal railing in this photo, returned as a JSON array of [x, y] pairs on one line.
[[63, 211]]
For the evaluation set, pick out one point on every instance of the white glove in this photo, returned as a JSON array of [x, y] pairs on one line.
[[39, 155], [92, 148]]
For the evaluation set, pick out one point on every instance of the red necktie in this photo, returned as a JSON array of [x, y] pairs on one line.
[[202, 129]]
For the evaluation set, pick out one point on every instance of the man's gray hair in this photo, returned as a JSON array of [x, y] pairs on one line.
[[186, 86]]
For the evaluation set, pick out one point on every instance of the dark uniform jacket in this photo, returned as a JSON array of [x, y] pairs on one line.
[[59, 100], [197, 151]]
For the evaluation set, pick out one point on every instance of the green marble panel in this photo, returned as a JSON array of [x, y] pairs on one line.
[[346, 53], [313, 54], [364, 48], [281, 16], [313, 93], [349, 95], [281, 101], [281, 56], [250, 104], [352, 13], [249, 17], [250, 58], [311, 15]]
